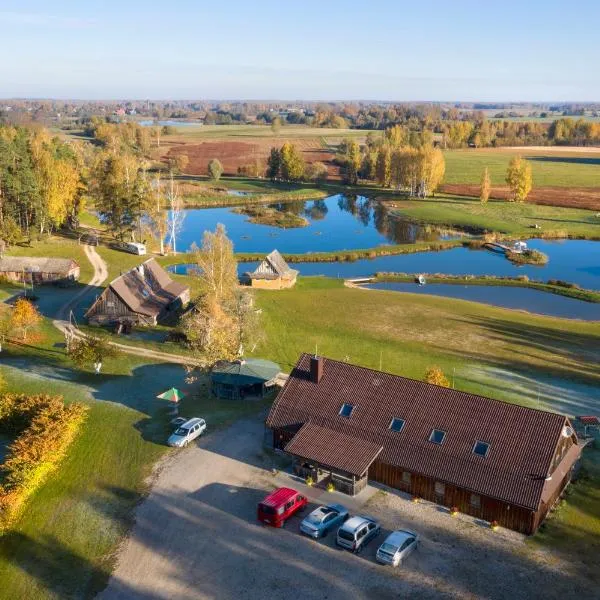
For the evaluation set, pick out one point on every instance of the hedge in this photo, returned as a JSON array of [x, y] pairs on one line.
[[45, 427]]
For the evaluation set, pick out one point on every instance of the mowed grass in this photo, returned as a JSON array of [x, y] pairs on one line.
[[512, 218], [407, 333], [568, 169]]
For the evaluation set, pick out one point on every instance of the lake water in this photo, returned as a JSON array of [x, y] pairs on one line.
[[340, 222], [533, 301]]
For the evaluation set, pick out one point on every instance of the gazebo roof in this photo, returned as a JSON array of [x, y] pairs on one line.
[[244, 372]]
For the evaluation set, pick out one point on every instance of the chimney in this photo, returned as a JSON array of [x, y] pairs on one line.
[[316, 368]]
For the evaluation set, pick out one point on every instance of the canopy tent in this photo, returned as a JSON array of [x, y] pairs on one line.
[[241, 378], [172, 395]]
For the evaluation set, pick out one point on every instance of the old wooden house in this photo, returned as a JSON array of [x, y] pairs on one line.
[[272, 273], [38, 270], [494, 460], [142, 296]]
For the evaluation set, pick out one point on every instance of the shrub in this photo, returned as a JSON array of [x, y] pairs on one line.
[[45, 427], [330, 487], [435, 376], [310, 481]]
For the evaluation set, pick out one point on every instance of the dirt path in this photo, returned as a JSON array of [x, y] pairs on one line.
[[62, 320]]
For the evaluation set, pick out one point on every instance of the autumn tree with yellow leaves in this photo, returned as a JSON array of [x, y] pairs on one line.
[[519, 179], [24, 316]]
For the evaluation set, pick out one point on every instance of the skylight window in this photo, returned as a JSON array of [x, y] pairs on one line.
[[437, 436], [397, 424], [346, 410], [481, 448]]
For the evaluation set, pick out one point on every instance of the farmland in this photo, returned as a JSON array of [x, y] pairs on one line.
[[561, 177]]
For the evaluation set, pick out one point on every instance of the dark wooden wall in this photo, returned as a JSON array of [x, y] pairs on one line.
[[109, 307], [489, 509]]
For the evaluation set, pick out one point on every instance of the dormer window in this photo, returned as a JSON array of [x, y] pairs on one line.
[[397, 424], [346, 410], [481, 449], [437, 436]]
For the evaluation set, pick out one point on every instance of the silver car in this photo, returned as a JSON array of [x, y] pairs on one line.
[[187, 432], [323, 519], [356, 533], [397, 546]]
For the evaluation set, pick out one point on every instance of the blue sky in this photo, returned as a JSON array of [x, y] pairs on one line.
[[313, 50]]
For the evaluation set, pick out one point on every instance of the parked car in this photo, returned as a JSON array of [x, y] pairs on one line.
[[187, 432], [279, 506], [397, 546], [357, 532], [323, 519]]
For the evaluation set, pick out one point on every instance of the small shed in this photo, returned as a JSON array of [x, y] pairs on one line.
[[272, 273], [38, 270], [242, 378]]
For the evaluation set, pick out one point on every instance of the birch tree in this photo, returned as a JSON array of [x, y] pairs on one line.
[[486, 186], [175, 216]]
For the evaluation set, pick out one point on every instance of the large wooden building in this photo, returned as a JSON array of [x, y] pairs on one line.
[[38, 270], [273, 273], [494, 460], [142, 296]]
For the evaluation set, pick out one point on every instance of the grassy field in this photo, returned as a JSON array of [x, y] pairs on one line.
[[505, 217], [412, 332], [549, 168]]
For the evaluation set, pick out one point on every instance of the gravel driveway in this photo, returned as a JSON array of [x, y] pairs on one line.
[[196, 536]]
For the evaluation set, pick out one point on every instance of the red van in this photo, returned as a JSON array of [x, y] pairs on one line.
[[280, 505]]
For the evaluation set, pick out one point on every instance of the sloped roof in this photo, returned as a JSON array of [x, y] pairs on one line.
[[244, 372], [333, 449], [147, 289], [278, 265], [522, 440], [38, 264]]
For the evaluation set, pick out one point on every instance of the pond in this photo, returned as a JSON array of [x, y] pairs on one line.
[[576, 261], [534, 301], [339, 222]]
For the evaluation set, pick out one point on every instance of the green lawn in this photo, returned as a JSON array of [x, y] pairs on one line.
[[405, 333], [549, 168], [505, 217]]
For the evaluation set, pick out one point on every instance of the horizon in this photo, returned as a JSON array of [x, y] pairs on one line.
[[327, 53]]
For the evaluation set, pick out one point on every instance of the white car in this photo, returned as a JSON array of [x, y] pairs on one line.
[[397, 546], [187, 432]]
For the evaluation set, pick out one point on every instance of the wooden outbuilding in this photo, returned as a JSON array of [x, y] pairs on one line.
[[142, 296], [273, 273], [38, 270], [490, 459]]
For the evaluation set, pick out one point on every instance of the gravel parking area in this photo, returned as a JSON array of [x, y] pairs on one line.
[[196, 536]]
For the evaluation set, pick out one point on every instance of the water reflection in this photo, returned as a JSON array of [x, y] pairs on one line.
[[340, 222]]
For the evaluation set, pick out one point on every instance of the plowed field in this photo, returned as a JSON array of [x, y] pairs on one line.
[[571, 197]]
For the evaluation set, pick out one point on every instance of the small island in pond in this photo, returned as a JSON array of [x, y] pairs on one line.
[[265, 215]]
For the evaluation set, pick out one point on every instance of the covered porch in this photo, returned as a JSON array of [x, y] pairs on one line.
[[328, 456]]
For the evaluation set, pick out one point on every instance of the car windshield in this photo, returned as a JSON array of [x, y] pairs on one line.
[[389, 548], [182, 431], [267, 510], [346, 535]]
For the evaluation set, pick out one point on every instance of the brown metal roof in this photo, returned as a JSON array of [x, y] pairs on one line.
[[334, 449], [278, 266], [522, 440], [147, 289]]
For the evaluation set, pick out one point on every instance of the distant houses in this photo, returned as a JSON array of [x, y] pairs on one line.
[[37, 270], [272, 273], [142, 296], [494, 460]]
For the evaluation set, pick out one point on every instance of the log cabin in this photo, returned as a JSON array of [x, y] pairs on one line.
[[38, 270], [142, 296], [494, 460], [273, 273]]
